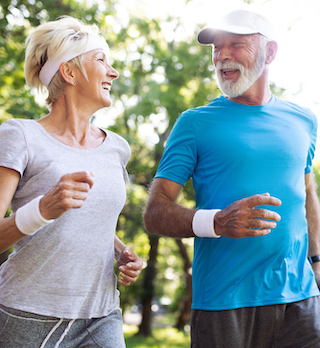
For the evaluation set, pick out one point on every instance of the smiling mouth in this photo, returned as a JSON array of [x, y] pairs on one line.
[[106, 86], [227, 72]]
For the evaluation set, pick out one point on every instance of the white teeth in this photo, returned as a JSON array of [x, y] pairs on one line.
[[106, 86]]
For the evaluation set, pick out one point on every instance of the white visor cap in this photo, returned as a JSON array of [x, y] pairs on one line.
[[238, 22]]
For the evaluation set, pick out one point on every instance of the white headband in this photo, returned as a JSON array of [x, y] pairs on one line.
[[51, 66]]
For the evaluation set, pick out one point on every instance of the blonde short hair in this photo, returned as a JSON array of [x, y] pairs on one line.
[[50, 40]]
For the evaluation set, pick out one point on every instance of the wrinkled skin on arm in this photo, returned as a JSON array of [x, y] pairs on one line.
[[313, 219], [240, 219]]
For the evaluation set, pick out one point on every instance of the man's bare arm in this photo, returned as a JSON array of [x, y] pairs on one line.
[[163, 215], [240, 219], [313, 218]]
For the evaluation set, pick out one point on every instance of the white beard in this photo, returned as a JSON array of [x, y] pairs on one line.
[[248, 76]]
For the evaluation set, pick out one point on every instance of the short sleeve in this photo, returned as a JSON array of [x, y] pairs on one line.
[[126, 177], [125, 160], [13, 147], [313, 140], [180, 155], [124, 150]]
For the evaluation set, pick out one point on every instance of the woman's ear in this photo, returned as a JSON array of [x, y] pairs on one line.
[[67, 72], [271, 51]]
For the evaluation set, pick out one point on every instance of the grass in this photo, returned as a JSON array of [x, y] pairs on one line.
[[162, 337]]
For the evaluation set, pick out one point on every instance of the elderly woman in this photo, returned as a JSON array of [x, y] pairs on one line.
[[65, 180]]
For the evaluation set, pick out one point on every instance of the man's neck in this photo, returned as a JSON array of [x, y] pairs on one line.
[[253, 99]]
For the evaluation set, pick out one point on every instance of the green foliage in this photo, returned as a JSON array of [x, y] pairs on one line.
[[158, 80], [316, 170], [17, 18], [161, 338]]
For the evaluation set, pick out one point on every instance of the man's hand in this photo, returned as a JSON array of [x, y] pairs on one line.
[[241, 219], [70, 192], [129, 265]]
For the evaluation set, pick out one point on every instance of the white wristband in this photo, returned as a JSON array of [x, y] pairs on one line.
[[203, 223], [28, 218]]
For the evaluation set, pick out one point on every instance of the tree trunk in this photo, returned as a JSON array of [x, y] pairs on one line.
[[185, 303], [145, 328]]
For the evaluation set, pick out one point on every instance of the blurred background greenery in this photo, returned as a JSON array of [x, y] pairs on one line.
[[160, 76]]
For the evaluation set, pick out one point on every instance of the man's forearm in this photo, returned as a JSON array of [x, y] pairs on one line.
[[168, 219], [163, 215], [313, 217]]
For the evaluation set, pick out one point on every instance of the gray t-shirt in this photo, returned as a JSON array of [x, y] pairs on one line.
[[66, 269]]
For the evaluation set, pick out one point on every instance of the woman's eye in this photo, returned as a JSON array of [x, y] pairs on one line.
[[101, 60]]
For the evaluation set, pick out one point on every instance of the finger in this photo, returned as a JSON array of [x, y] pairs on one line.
[[250, 232], [265, 214], [123, 282], [85, 177], [134, 272], [258, 232], [134, 265], [130, 259], [78, 195], [68, 186], [262, 224], [72, 190], [129, 253], [127, 278], [262, 199], [81, 186]]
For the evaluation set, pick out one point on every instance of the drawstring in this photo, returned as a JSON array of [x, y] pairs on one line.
[[61, 337], [51, 332], [64, 334]]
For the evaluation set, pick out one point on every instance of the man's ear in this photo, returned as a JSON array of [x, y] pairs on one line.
[[67, 72], [271, 51]]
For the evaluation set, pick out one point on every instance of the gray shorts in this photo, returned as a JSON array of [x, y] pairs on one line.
[[292, 325], [20, 329]]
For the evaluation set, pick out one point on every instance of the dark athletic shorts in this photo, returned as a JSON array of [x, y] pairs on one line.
[[292, 325]]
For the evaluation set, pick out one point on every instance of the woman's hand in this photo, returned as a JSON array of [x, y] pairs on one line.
[[129, 265], [70, 192]]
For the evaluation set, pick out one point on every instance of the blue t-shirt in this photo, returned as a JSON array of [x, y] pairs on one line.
[[233, 151]]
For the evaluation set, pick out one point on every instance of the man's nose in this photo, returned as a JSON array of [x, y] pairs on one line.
[[224, 54]]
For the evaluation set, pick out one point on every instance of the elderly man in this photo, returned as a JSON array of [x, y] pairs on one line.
[[250, 155]]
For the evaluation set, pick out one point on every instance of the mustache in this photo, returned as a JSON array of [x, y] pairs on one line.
[[229, 65]]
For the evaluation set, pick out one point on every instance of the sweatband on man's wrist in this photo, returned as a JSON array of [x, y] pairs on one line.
[[28, 218], [203, 223]]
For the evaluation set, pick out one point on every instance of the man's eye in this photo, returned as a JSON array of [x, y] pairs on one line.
[[101, 60]]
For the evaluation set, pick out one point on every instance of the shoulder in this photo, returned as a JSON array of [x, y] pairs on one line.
[[120, 144], [116, 138], [11, 128], [194, 117], [14, 145], [17, 124], [296, 109], [205, 111], [210, 107]]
